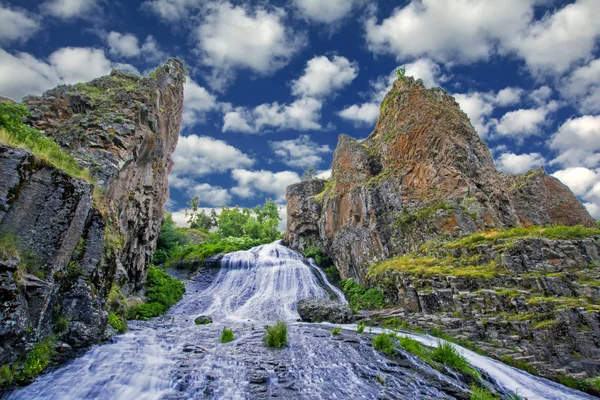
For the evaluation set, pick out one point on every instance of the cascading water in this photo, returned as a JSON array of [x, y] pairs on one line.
[[172, 358]]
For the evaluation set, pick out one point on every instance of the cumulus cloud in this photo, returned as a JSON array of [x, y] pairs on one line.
[[16, 25], [578, 142], [325, 12], [478, 107], [197, 102], [70, 9], [249, 183], [519, 163], [509, 96], [323, 76], [203, 155], [208, 195], [582, 86], [522, 123], [540, 95], [23, 74], [578, 179], [593, 209], [232, 37], [361, 114], [127, 45], [172, 10], [301, 152]]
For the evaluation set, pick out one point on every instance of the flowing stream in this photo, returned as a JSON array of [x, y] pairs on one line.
[[171, 357]]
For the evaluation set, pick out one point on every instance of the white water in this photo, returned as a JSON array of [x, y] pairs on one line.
[[172, 358]]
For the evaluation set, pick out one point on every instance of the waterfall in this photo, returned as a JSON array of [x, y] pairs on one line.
[[172, 358]]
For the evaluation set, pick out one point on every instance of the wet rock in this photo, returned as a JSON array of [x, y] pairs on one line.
[[319, 310], [203, 320]]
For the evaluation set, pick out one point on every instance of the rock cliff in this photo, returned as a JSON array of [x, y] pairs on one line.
[[70, 241], [423, 173]]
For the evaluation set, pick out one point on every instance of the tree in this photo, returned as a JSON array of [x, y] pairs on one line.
[[192, 212], [232, 221], [309, 174], [401, 73]]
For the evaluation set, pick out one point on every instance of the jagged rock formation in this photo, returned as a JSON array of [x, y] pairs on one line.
[[423, 173], [74, 240]]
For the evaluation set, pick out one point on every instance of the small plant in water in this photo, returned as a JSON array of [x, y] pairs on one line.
[[360, 328], [447, 354], [336, 331], [227, 335], [276, 336], [384, 342]]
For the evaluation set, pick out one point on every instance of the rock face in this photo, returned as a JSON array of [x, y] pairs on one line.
[[423, 173], [319, 310], [70, 241]]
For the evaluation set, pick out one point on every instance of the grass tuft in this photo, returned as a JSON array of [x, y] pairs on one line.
[[276, 335], [384, 342], [227, 335]]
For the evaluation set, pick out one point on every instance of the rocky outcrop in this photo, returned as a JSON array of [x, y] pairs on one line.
[[539, 306], [423, 173], [70, 240], [319, 310]]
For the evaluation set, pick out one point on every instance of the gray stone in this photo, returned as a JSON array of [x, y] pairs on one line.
[[319, 310]]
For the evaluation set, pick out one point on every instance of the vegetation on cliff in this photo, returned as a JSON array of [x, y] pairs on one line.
[[162, 292], [32, 364], [15, 133]]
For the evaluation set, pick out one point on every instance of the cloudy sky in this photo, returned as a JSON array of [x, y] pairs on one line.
[[272, 83]]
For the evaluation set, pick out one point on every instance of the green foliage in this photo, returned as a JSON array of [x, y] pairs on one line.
[[227, 335], [361, 297], [8, 246], [116, 298], [397, 323], [401, 72], [384, 342], [360, 328], [425, 266], [169, 238], [276, 336], [407, 220], [309, 174], [37, 359], [336, 331], [61, 323], [519, 364], [412, 346], [260, 223], [162, 292], [14, 133], [118, 323], [199, 219], [447, 354], [7, 375], [74, 271], [480, 393]]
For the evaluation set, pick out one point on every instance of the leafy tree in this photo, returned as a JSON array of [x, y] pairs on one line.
[[232, 221], [401, 73], [202, 221], [309, 174]]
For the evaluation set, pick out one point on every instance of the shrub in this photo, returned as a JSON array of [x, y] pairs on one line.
[[412, 346], [360, 328], [361, 297], [37, 359], [227, 335], [336, 331], [8, 246], [145, 311], [276, 336], [14, 133], [384, 342], [118, 323], [447, 354], [162, 288], [479, 393]]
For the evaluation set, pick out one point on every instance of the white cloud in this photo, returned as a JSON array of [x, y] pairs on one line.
[[203, 155], [323, 76], [478, 107], [23, 74], [325, 174], [233, 37], [267, 182], [560, 39], [583, 87], [522, 123], [540, 95], [16, 25], [172, 10], [580, 133], [198, 101], [325, 12], [207, 194], [363, 114], [301, 152], [303, 115], [578, 179], [509, 96], [68, 9], [425, 69], [448, 31], [593, 209], [519, 163], [127, 45]]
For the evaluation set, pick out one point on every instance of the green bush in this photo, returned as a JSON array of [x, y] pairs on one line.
[[384, 342], [412, 346], [14, 133], [227, 335], [37, 359], [447, 354], [118, 323], [336, 331], [360, 328], [276, 336], [479, 393], [361, 297], [162, 288], [145, 311]]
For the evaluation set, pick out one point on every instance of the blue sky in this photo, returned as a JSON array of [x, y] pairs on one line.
[[273, 83]]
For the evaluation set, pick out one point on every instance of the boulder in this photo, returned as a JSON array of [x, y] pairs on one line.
[[203, 320], [320, 310]]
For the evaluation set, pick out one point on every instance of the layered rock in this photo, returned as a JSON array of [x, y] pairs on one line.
[[73, 240], [319, 310], [423, 173]]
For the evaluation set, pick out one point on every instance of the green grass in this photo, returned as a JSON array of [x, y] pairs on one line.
[[519, 364], [14, 133], [276, 335], [479, 393], [360, 328], [227, 335], [8, 246], [336, 331], [361, 297], [447, 355], [413, 346], [384, 342], [407, 219], [37, 360], [425, 267], [118, 323], [162, 292]]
